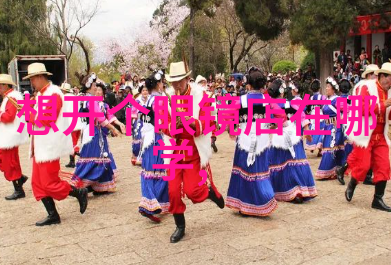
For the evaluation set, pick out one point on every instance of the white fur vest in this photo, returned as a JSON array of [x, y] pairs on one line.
[[202, 142], [54, 145], [10, 138], [362, 140]]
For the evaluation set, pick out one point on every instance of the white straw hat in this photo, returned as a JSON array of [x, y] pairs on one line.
[[6, 79], [178, 72], [370, 69], [36, 69]]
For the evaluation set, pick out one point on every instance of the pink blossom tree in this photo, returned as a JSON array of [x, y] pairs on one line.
[[152, 45]]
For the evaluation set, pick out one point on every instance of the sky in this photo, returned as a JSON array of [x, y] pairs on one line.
[[118, 18]]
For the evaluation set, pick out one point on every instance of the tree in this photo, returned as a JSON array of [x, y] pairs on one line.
[[80, 63], [322, 38], [308, 59], [17, 35], [208, 7], [66, 19], [275, 51], [265, 18], [209, 52], [151, 45], [284, 66], [69, 17], [239, 43]]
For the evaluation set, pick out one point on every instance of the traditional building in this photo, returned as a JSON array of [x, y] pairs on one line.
[[369, 31]]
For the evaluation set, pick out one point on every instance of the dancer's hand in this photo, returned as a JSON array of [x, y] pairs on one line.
[[272, 126], [191, 125], [308, 137], [179, 123], [123, 128], [115, 133], [387, 103]]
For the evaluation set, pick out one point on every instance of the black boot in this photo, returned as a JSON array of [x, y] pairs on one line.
[[341, 174], [214, 144], [18, 189], [350, 190], [369, 178], [71, 162], [213, 197], [23, 179], [81, 195], [378, 202], [53, 217], [298, 200], [179, 232]]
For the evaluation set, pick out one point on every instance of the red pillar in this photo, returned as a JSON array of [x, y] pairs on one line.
[[369, 47]]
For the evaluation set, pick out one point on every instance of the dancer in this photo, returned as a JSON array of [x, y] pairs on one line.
[[203, 84], [345, 87], [154, 189], [290, 172], [186, 180], [372, 151], [368, 74], [46, 150], [96, 166], [10, 139], [317, 140], [250, 191], [68, 92], [137, 125], [333, 153]]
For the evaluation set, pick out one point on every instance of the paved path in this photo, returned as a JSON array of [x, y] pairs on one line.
[[327, 230]]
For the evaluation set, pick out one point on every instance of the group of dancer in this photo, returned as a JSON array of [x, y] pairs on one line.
[[366, 158], [267, 168]]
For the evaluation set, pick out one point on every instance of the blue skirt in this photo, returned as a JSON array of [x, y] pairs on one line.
[[96, 166], [317, 140], [136, 142], [250, 190], [291, 177], [332, 158], [154, 190]]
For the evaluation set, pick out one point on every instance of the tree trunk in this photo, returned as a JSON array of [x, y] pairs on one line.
[[326, 66], [317, 64], [86, 54], [231, 59], [191, 41]]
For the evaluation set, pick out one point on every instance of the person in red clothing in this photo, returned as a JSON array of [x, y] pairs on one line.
[[10, 139], [186, 180], [372, 151], [46, 151]]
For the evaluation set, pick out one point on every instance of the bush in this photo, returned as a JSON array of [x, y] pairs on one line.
[[308, 59], [284, 66]]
